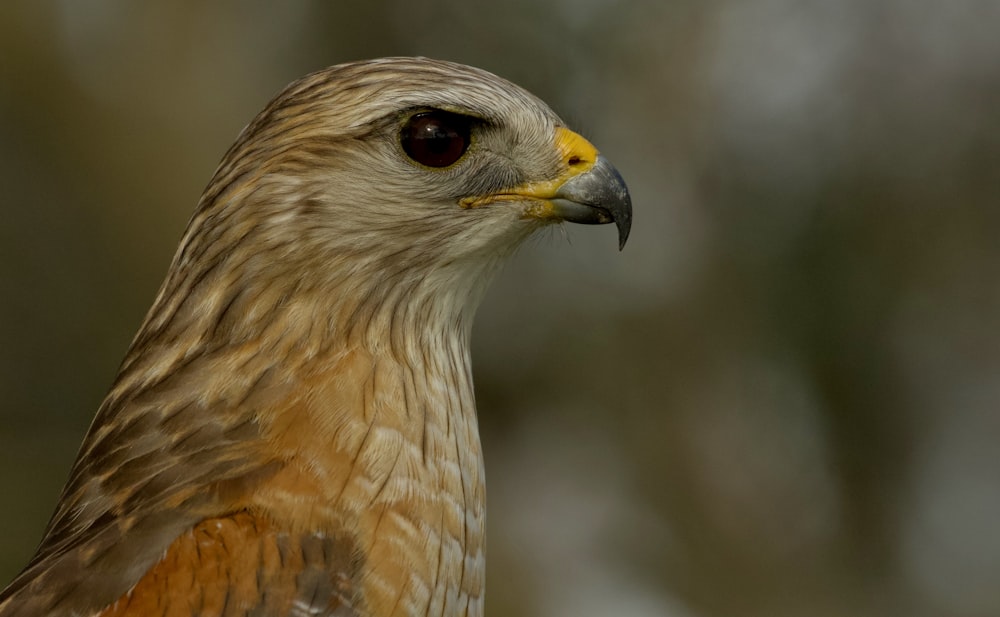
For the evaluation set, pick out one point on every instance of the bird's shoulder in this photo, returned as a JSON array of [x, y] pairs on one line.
[[241, 563]]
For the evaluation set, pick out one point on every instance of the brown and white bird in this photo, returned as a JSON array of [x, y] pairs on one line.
[[293, 430]]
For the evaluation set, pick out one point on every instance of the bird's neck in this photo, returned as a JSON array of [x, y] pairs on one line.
[[382, 439], [361, 393]]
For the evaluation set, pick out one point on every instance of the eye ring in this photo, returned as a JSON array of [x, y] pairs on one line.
[[436, 138]]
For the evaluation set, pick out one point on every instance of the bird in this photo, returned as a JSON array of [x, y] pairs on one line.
[[293, 429]]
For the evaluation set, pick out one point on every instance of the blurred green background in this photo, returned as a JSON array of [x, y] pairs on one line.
[[781, 399]]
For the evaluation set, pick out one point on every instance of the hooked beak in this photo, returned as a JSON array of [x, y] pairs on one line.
[[587, 190], [596, 197]]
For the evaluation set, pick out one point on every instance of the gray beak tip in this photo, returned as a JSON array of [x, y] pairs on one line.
[[596, 197]]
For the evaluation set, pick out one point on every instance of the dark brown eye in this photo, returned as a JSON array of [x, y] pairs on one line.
[[435, 138]]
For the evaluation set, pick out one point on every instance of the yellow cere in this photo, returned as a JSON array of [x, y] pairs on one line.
[[578, 153]]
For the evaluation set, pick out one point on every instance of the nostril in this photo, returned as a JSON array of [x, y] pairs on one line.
[[574, 160]]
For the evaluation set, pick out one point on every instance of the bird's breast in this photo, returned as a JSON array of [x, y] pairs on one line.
[[388, 451]]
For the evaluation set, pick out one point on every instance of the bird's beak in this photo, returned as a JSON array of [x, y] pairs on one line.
[[596, 197], [588, 190]]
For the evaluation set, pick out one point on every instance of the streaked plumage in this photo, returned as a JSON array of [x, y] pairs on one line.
[[293, 429]]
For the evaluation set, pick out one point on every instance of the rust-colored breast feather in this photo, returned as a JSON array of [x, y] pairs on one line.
[[240, 565]]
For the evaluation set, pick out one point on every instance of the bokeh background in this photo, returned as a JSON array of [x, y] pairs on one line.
[[783, 397]]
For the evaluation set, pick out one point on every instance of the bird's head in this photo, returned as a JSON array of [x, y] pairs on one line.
[[395, 173]]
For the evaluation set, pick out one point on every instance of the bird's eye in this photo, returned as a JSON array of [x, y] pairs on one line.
[[435, 138]]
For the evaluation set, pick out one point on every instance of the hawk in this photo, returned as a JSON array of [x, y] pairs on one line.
[[293, 429]]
